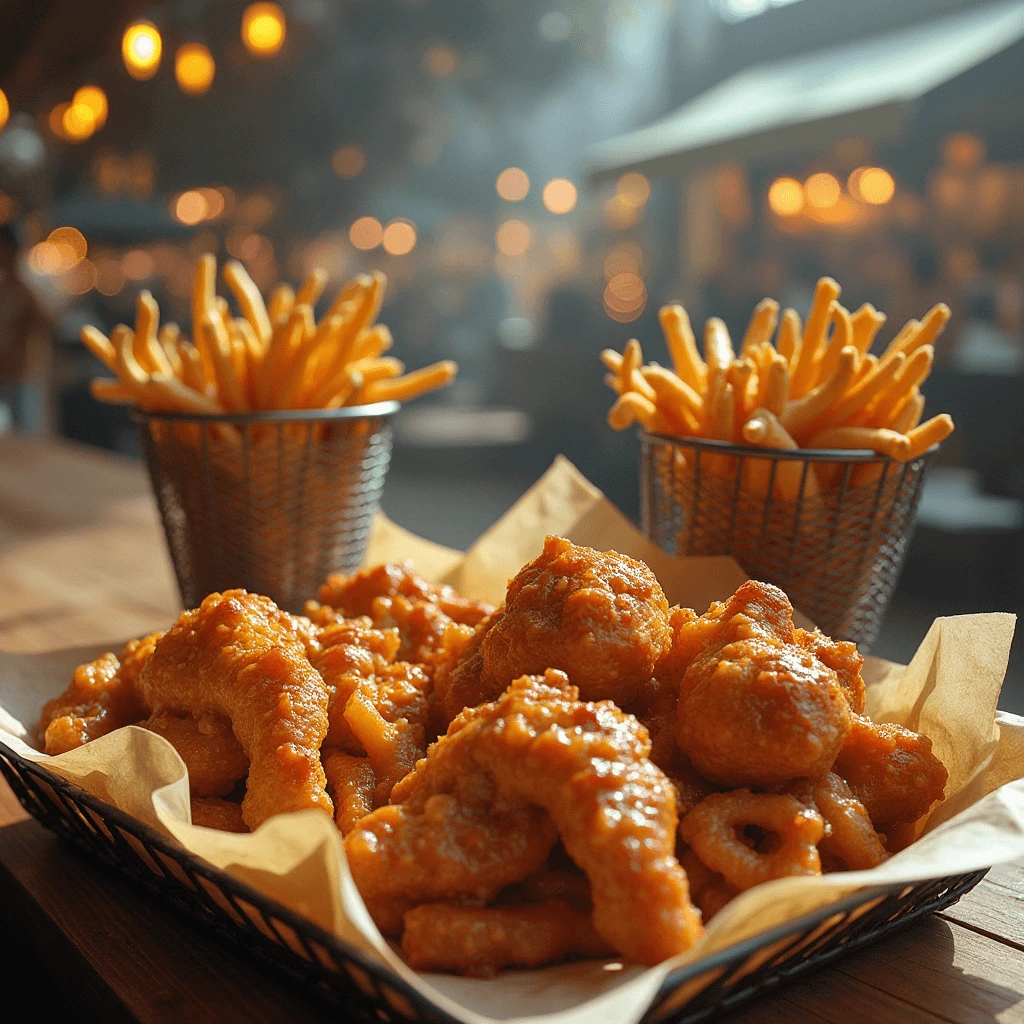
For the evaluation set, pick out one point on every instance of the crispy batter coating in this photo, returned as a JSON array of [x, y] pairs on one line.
[[842, 657], [750, 838], [214, 758], [101, 697], [851, 843], [356, 594], [550, 883], [755, 708], [213, 812], [239, 656], [587, 765], [457, 676], [479, 941], [892, 771], [352, 786], [599, 616], [710, 890], [454, 837]]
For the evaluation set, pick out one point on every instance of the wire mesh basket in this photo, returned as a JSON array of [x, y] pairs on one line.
[[271, 502], [367, 990], [830, 527]]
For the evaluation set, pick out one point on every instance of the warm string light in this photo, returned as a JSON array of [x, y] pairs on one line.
[[786, 197], [194, 68], [873, 185], [366, 233], [191, 207], [513, 184], [141, 49], [399, 237], [559, 195], [93, 97], [822, 190], [512, 237], [263, 29], [5, 109]]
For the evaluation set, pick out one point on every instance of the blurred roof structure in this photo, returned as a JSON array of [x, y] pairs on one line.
[[868, 87]]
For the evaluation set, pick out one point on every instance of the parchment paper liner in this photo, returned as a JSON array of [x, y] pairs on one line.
[[949, 692]]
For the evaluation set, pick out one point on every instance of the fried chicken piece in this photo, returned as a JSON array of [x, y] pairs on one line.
[[599, 616], [586, 765], [453, 837], [892, 771], [355, 595], [550, 883], [214, 758], [842, 657], [755, 708], [213, 812], [479, 941], [424, 628], [101, 697], [352, 786], [710, 890], [457, 675], [239, 656]]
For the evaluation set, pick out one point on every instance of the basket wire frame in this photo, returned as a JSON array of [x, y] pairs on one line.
[[836, 553], [270, 502], [367, 990]]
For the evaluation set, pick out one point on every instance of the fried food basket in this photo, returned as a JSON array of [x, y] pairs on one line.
[[270, 501], [836, 545], [365, 989]]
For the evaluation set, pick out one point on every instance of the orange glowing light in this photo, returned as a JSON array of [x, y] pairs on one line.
[[141, 49], [963, 150], [191, 207], [73, 239], [366, 233], [50, 257], [80, 279], [560, 195], [633, 188], [93, 97], [822, 190], [399, 238], [441, 61], [786, 197], [78, 122], [263, 29], [137, 265], [5, 109], [513, 184], [512, 238], [194, 68], [875, 185], [625, 297], [626, 258], [109, 279], [348, 161]]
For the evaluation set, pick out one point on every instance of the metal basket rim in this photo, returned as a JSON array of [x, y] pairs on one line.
[[857, 455], [736, 953], [349, 412]]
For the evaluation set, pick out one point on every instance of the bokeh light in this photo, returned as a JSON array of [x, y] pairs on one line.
[[5, 109], [513, 184], [441, 61], [78, 122], [560, 195], [191, 207], [137, 265], [786, 197], [399, 237], [874, 185], [194, 68], [822, 190], [633, 188], [619, 213], [141, 49], [512, 238], [963, 150], [366, 233], [56, 119], [8, 208], [348, 161], [93, 97], [80, 279], [73, 240], [624, 258], [109, 278], [263, 29], [214, 202], [48, 257], [625, 297]]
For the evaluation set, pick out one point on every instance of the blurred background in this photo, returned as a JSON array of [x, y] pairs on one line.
[[536, 179]]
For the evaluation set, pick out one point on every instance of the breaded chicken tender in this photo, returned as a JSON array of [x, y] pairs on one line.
[[237, 655], [214, 758], [352, 786], [755, 707], [214, 812], [892, 771]]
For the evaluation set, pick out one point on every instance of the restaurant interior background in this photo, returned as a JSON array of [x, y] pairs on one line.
[[537, 178]]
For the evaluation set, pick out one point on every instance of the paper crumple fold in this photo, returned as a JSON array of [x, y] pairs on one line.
[[949, 692]]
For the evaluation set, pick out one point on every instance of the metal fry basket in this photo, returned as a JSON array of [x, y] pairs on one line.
[[270, 501], [830, 527]]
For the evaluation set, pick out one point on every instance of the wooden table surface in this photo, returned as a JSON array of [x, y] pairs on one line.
[[82, 561]]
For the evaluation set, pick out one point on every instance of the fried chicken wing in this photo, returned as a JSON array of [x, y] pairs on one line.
[[237, 655], [101, 697], [352, 786], [479, 941], [598, 616], [842, 657], [756, 708], [892, 771], [214, 758], [457, 676], [214, 812]]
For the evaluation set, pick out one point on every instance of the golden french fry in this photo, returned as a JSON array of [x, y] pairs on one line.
[[931, 327], [295, 374], [168, 394], [630, 377], [741, 377], [680, 405], [776, 393], [127, 366], [283, 343], [932, 431], [789, 340], [173, 359], [372, 342], [373, 370], [682, 346], [612, 380], [349, 292], [115, 392], [914, 370], [149, 354], [612, 359], [865, 368], [203, 300], [842, 335], [630, 408], [241, 333], [864, 391], [802, 414], [249, 299], [192, 374], [762, 325], [401, 389], [764, 430], [885, 442], [909, 414], [825, 293], [904, 337], [282, 298], [230, 390], [723, 428], [350, 392], [867, 322], [312, 288], [99, 345], [718, 351]]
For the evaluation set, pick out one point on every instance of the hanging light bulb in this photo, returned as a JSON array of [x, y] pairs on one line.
[[141, 49]]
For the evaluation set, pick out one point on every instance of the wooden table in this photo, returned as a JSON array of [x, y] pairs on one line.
[[82, 561]]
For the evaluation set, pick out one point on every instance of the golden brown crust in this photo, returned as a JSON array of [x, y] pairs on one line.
[[214, 758]]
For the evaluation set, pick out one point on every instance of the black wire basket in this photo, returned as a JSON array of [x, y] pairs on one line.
[[273, 501], [831, 527], [367, 990]]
